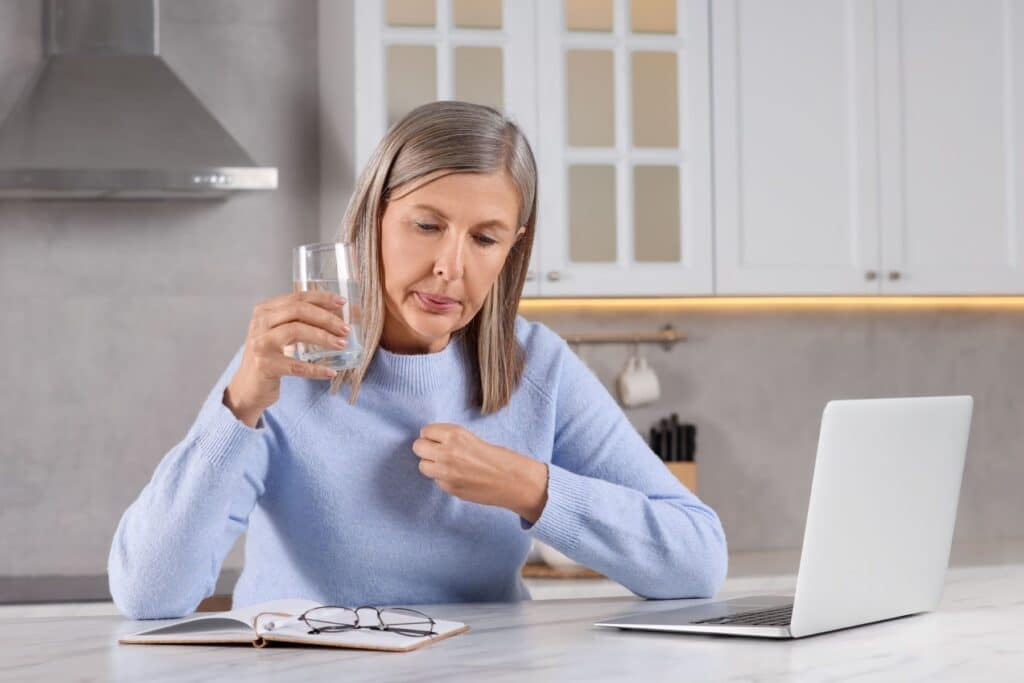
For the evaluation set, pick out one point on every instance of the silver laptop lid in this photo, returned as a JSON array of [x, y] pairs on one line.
[[882, 510]]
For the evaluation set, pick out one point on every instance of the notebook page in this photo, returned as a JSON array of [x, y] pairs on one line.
[[199, 626], [237, 621]]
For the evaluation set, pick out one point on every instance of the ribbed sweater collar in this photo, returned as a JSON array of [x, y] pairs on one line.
[[421, 373]]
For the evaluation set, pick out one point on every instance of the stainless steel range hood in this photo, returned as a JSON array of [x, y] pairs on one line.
[[106, 118]]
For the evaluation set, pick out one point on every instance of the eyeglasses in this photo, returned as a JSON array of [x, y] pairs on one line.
[[336, 618]]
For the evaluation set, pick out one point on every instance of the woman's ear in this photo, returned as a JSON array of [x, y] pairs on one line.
[[522, 231]]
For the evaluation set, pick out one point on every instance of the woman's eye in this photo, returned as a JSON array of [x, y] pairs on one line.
[[482, 240]]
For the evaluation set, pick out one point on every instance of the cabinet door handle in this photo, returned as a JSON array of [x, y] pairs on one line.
[[531, 276], [894, 275], [871, 275], [554, 276]]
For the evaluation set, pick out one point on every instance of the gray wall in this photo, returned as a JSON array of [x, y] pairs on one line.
[[119, 316], [755, 382]]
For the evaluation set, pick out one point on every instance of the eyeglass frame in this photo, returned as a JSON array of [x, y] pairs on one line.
[[380, 626]]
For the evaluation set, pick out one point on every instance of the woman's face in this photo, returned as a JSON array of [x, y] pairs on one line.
[[444, 240]]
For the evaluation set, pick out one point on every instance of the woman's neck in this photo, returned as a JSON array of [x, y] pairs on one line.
[[406, 341]]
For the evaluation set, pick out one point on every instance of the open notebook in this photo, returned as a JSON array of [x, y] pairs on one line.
[[236, 626]]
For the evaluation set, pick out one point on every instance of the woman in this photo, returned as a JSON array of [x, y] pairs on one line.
[[467, 431]]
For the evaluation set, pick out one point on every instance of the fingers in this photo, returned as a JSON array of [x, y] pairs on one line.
[[320, 298], [281, 322], [306, 312], [289, 333], [426, 449], [438, 431], [294, 306], [428, 452], [429, 468], [289, 366]]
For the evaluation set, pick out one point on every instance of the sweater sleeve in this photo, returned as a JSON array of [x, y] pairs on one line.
[[612, 504], [172, 540]]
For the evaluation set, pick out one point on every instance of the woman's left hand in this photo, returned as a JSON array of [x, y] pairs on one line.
[[466, 466]]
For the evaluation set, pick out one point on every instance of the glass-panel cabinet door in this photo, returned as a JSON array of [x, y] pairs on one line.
[[623, 111], [409, 52]]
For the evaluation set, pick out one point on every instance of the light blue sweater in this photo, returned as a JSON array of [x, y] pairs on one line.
[[337, 510]]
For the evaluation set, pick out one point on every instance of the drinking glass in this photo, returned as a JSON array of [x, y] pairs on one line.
[[331, 267]]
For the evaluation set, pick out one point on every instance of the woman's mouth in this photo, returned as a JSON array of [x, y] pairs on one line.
[[434, 304]]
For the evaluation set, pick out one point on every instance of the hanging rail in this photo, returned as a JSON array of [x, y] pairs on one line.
[[667, 336]]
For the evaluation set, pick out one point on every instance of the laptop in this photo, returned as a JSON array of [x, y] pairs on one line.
[[879, 525]]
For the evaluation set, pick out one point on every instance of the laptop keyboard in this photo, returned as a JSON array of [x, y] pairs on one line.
[[778, 616]]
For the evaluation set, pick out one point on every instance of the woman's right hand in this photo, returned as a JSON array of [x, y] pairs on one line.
[[309, 317]]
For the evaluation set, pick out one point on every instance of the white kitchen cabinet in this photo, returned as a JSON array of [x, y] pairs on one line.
[[796, 199], [866, 148], [859, 147], [624, 120], [951, 124], [613, 95], [378, 59]]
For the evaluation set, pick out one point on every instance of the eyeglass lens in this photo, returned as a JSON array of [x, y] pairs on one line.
[[398, 620]]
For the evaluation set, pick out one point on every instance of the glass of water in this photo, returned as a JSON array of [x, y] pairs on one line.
[[331, 267]]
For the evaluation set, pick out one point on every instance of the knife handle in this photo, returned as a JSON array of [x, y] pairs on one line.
[[672, 449], [653, 442], [690, 439]]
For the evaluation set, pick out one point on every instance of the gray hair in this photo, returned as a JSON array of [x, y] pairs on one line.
[[458, 137]]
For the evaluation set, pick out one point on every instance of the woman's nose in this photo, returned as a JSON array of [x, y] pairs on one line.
[[449, 262]]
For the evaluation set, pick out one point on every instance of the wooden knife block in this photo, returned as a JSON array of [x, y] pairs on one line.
[[686, 472]]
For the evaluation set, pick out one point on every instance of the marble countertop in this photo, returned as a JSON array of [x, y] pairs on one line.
[[975, 634]]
